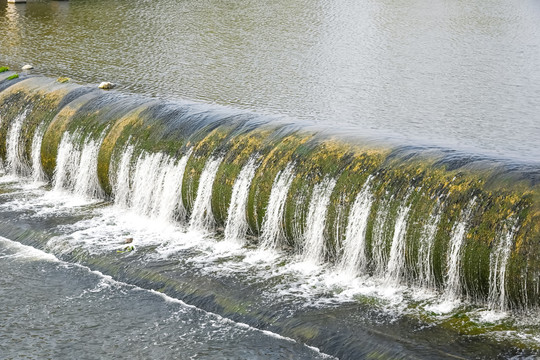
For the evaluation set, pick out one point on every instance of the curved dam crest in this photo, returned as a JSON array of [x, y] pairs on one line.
[[464, 226]]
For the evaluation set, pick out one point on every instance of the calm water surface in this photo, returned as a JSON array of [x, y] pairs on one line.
[[463, 74]]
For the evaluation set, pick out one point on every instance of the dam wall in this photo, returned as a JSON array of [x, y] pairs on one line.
[[464, 225]]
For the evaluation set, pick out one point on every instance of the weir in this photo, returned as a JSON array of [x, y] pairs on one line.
[[465, 226]]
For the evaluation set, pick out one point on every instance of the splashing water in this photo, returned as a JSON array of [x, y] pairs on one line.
[[202, 217], [314, 239], [237, 226], [354, 258], [271, 229]]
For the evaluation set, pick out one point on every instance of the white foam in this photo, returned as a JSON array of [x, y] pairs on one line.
[[444, 307], [490, 316], [27, 252]]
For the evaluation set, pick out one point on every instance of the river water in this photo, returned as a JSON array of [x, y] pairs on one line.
[[463, 74], [56, 310]]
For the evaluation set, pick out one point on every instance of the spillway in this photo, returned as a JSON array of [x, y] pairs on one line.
[[466, 227]]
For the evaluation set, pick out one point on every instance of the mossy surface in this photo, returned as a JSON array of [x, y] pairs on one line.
[[38, 102], [425, 183]]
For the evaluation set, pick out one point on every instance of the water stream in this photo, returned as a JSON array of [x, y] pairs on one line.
[[299, 213]]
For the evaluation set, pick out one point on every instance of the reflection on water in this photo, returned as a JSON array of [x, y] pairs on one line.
[[458, 73]]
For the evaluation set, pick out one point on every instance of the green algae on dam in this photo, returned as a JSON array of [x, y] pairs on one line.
[[465, 226]]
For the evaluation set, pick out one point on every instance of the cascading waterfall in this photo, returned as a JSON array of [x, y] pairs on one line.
[[37, 169], [368, 236], [379, 257], [76, 167], [168, 204], [122, 180], [498, 266], [67, 161], [354, 259], [156, 188], [314, 239], [86, 180], [15, 163], [425, 252], [396, 262], [453, 281], [272, 231], [145, 178], [237, 225], [202, 217]]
